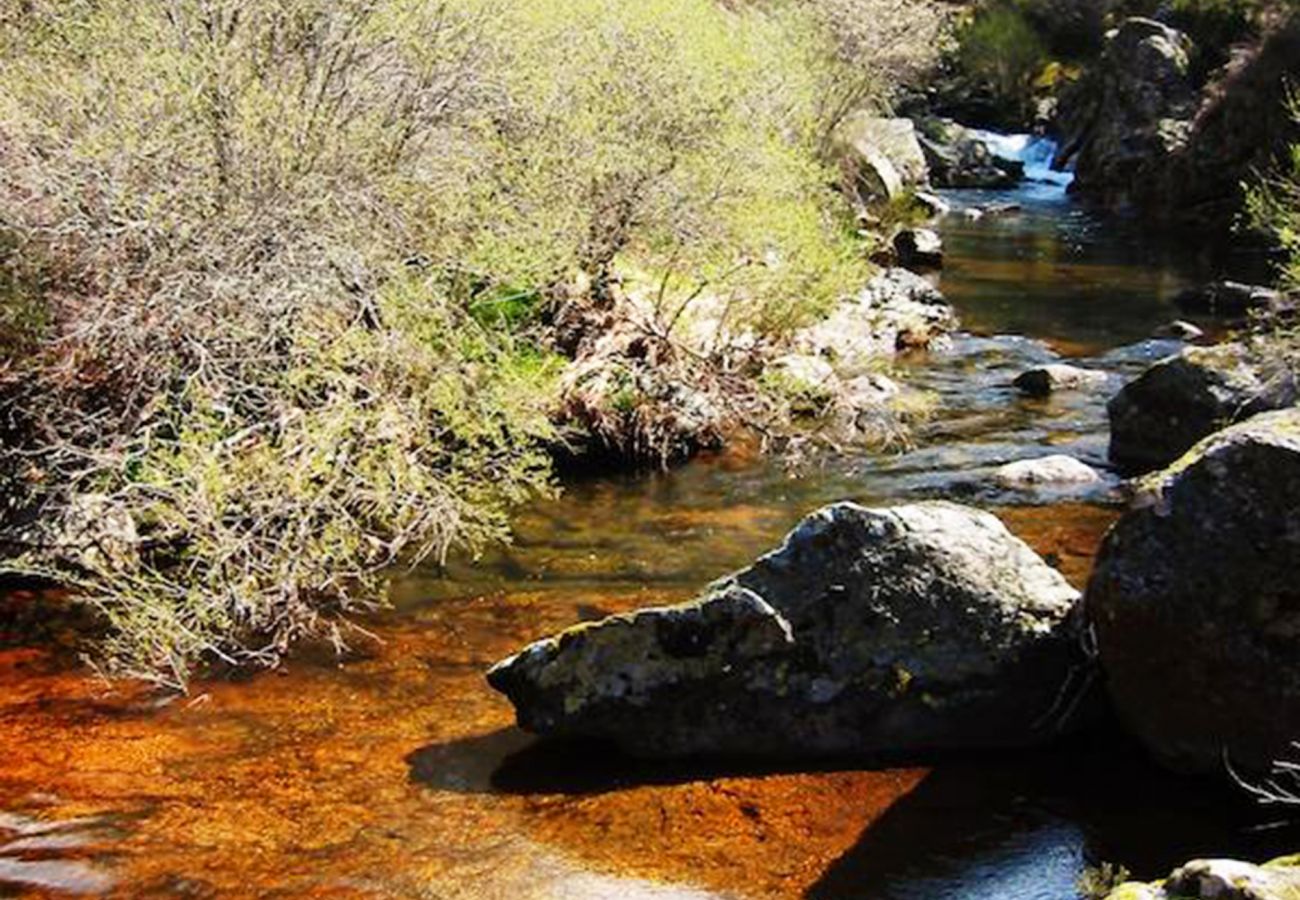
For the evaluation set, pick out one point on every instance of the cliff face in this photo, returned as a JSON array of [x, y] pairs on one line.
[[1144, 139], [1242, 128]]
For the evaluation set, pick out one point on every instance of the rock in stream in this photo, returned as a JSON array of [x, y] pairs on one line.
[[1159, 416], [1196, 603], [909, 628]]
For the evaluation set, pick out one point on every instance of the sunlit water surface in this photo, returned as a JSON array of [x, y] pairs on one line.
[[397, 772]]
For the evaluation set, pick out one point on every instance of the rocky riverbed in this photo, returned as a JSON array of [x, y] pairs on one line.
[[398, 772]]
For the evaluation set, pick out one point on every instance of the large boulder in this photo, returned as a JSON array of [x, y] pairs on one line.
[[1132, 112], [869, 630], [1243, 127], [1195, 605], [1158, 417], [880, 157], [1145, 136]]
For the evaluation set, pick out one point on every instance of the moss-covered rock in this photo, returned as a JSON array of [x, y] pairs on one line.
[[1195, 602], [1218, 879], [914, 627], [1158, 417]]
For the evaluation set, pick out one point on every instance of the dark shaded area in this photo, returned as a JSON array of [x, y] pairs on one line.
[[1018, 825], [510, 761], [1025, 826]]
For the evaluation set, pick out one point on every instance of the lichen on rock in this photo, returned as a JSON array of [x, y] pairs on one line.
[[909, 628]]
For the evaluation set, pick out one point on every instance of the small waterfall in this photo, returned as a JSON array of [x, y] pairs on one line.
[[1035, 152]]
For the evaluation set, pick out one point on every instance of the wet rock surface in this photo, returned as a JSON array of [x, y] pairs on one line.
[[1049, 379], [959, 159], [909, 628], [1195, 606], [1180, 400]]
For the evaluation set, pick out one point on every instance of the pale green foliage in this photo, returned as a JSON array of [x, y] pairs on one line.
[[291, 255], [240, 360], [670, 141], [1000, 49], [1274, 206]]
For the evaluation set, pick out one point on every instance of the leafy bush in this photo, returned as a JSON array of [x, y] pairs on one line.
[[1273, 206], [239, 358], [999, 49], [278, 274]]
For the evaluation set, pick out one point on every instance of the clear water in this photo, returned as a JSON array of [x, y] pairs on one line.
[[398, 773]]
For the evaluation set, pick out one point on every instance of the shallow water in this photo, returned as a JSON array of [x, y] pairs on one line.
[[397, 772]]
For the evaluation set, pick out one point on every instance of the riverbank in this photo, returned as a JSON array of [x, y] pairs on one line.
[[396, 770]]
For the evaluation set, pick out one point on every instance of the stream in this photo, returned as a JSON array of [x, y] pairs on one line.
[[396, 771]]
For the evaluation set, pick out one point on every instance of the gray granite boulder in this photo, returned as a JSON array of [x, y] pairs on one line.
[[1195, 601], [1178, 401], [869, 630]]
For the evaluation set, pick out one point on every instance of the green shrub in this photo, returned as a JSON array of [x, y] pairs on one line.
[[999, 49], [238, 357], [1273, 206], [278, 272]]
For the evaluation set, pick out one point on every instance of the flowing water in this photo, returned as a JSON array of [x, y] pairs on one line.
[[396, 772]]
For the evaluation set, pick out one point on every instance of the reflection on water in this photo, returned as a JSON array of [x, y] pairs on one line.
[[1057, 272], [398, 773]]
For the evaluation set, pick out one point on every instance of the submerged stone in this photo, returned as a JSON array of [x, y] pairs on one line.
[[1048, 470], [910, 628]]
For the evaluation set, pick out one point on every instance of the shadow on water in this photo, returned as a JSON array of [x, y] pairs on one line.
[[985, 826], [1025, 826], [510, 761]]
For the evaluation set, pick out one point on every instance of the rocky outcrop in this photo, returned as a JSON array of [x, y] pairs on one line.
[[879, 157], [957, 158], [1146, 138], [1134, 110], [1220, 879], [1161, 415], [1242, 128], [1054, 377], [869, 630], [898, 310], [1195, 606]]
